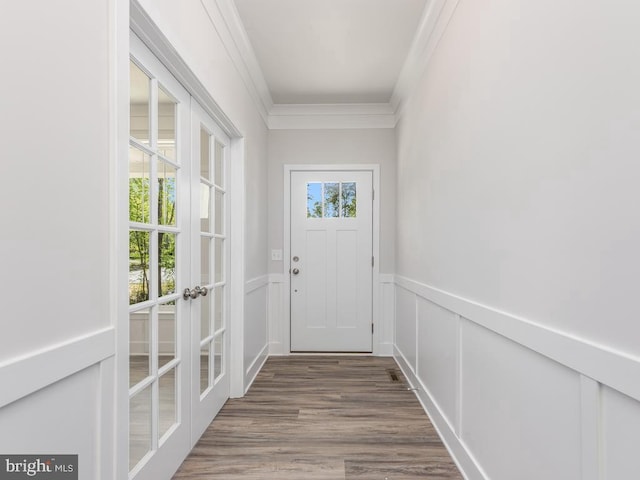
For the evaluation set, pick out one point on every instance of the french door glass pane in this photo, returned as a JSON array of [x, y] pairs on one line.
[[166, 125], [205, 139], [205, 208], [166, 194], [139, 426], [138, 266], [139, 185], [167, 388], [204, 367], [218, 349], [219, 212], [219, 255], [139, 346], [205, 316], [167, 327], [219, 164], [139, 104], [167, 263], [218, 296], [205, 249]]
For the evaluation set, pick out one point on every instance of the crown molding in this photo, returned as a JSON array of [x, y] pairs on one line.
[[225, 18], [331, 116], [434, 22]]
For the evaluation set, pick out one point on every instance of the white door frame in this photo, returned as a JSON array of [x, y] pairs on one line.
[[136, 19], [375, 169]]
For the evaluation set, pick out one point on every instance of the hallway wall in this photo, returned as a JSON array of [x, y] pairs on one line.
[[517, 238], [56, 335]]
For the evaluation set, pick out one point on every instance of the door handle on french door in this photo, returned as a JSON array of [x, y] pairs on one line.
[[202, 291], [187, 294], [295, 271]]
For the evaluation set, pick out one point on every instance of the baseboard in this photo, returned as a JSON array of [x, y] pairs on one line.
[[456, 448], [255, 367]]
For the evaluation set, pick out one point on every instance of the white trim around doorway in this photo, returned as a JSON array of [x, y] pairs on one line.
[[375, 169]]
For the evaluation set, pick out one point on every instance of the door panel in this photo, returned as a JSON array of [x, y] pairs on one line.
[[159, 164], [210, 380], [331, 255]]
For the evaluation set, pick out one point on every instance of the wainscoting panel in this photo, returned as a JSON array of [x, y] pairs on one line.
[[256, 344], [406, 326], [276, 314], [520, 410], [512, 399], [437, 355], [620, 435], [385, 324]]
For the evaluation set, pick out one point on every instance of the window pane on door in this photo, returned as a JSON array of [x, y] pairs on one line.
[[139, 185], [167, 390], [205, 317], [167, 326], [139, 426], [219, 165], [166, 125], [139, 103], [205, 154], [348, 195], [167, 263], [218, 349], [205, 208], [204, 367], [219, 255], [166, 194], [138, 266], [205, 252], [139, 346], [218, 300], [314, 200], [331, 200], [219, 212]]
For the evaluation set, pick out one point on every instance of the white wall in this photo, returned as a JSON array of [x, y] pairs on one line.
[[189, 28], [56, 337], [517, 237]]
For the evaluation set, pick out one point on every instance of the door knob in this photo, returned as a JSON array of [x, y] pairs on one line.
[[191, 293], [295, 271], [202, 291]]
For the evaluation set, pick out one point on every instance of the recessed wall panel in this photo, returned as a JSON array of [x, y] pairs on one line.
[[620, 435], [520, 410], [437, 347]]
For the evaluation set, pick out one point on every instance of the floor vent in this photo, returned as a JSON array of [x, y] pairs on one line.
[[393, 375]]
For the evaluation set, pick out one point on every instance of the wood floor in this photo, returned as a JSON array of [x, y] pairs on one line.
[[312, 418]]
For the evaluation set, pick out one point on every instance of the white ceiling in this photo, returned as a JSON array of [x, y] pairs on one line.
[[331, 51]]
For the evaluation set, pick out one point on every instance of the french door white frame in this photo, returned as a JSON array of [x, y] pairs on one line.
[[375, 169], [129, 15]]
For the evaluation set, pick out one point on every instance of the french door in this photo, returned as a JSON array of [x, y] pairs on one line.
[[210, 339], [177, 262], [331, 261]]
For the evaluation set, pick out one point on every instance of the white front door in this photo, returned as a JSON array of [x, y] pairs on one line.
[[178, 224], [331, 261]]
